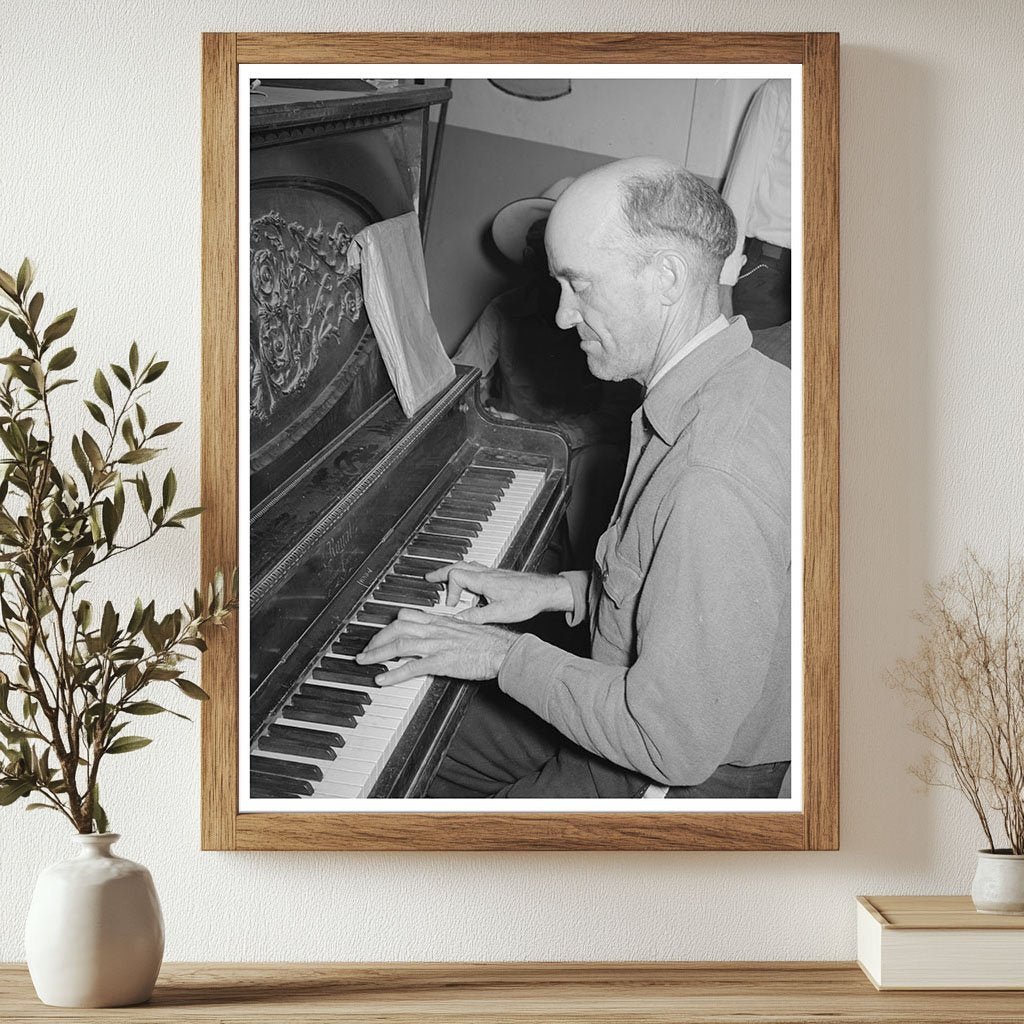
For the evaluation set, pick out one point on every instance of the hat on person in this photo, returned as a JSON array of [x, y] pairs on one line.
[[512, 222]]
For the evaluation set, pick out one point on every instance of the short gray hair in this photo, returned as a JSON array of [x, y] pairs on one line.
[[677, 206]]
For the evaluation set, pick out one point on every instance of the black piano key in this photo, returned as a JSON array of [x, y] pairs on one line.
[[441, 552], [489, 487], [278, 785], [350, 645], [352, 668], [414, 567], [297, 734], [382, 613], [325, 702], [293, 769], [413, 583], [342, 675], [363, 632], [450, 545], [399, 596], [297, 748], [354, 696], [321, 714], [475, 505], [449, 528], [332, 696], [489, 473]]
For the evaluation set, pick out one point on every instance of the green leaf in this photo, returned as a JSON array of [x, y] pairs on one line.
[[185, 513], [34, 308], [125, 744], [133, 357], [8, 284], [139, 455], [128, 433], [145, 497], [60, 326], [170, 488], [63, 359], [80, 458], [102, 388], [92, 449], [20, 328], [144, 707], [26, 272], [108, 627], [99, 816], [121, 374], [95, 412], [154, 372], [191, 690], [14, 790], [41, 807], [165, 428], [140, 415], [109, 521]]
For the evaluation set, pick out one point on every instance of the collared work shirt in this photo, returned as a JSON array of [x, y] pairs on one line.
[[689, 600]]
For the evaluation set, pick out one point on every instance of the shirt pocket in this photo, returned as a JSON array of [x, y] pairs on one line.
[[620, 584]]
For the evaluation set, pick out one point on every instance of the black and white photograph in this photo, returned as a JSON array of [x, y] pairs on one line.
[[523, 513]]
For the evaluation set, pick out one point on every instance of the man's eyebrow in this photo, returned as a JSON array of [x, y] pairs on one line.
[[567, 272]]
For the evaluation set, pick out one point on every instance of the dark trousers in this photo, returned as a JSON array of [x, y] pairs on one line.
[[503, 750], [762, 293]]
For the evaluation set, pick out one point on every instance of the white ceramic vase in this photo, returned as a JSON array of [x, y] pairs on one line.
[[95, 934], [999, 883]]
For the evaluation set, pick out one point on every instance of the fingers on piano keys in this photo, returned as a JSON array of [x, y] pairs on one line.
[[337, 729]]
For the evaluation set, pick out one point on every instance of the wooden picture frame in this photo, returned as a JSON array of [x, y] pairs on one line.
[[816, 826]]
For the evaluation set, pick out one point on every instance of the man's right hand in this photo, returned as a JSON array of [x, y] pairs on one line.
[[510, 596]]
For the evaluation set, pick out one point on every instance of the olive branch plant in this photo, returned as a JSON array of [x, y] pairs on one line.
[[967, 684], [78, 674]]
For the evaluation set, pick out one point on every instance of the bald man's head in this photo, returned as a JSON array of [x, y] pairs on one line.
[[637, 247]]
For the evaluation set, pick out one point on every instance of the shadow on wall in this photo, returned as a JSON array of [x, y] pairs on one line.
[[479, 173], [888, 307]]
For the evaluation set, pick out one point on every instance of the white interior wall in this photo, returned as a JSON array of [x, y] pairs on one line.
[[100, 177], [691, 122]]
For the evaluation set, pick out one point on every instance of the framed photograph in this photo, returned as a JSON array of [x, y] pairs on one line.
[[520, 421]]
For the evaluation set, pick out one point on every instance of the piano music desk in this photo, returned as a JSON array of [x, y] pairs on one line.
[[754, 993]]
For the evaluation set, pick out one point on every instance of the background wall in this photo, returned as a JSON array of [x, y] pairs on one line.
[[498, 148], [100, 182]]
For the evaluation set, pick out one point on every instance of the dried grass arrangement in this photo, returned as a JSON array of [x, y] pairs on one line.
[[967, 682]]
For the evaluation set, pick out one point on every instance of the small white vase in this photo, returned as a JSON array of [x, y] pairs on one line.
[[999, 883], [95, 934]]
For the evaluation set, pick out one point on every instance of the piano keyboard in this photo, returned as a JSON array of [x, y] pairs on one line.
[[337, 729]]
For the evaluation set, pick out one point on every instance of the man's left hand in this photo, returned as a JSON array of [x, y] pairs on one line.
[[437, 645]]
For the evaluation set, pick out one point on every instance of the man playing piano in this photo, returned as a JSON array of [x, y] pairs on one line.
[[687, 687]]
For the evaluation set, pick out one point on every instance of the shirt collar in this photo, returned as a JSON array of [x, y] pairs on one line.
[[667, 405], [716, 325]]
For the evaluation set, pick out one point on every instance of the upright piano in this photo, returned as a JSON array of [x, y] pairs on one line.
[[352, 503]]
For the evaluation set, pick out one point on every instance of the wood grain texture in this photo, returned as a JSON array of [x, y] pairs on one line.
[[664, 993], [818, 826], [522, 48], [821, 441], [942, 912], [219, 456]]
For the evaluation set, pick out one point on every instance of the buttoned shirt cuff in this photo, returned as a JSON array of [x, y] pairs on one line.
[[731, 269], [580, 583]]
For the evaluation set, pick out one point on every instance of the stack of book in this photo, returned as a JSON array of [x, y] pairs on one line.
[[938, 942]]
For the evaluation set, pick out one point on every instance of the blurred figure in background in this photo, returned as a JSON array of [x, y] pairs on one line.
[[534, 371], [755, 281]]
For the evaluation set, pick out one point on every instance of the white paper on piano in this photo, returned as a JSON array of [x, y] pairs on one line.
[[395, 291]]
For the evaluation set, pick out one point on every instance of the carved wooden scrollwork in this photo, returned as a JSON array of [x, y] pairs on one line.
[[301, 294]]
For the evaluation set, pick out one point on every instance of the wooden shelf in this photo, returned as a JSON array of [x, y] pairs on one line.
[[479, 993]]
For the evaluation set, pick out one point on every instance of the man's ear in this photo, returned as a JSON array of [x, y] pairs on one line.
[[672, 276]]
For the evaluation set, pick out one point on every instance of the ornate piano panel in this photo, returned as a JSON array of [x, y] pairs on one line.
[[350, 502]]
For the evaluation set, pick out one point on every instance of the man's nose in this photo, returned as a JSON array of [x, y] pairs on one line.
[[566, 315]]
